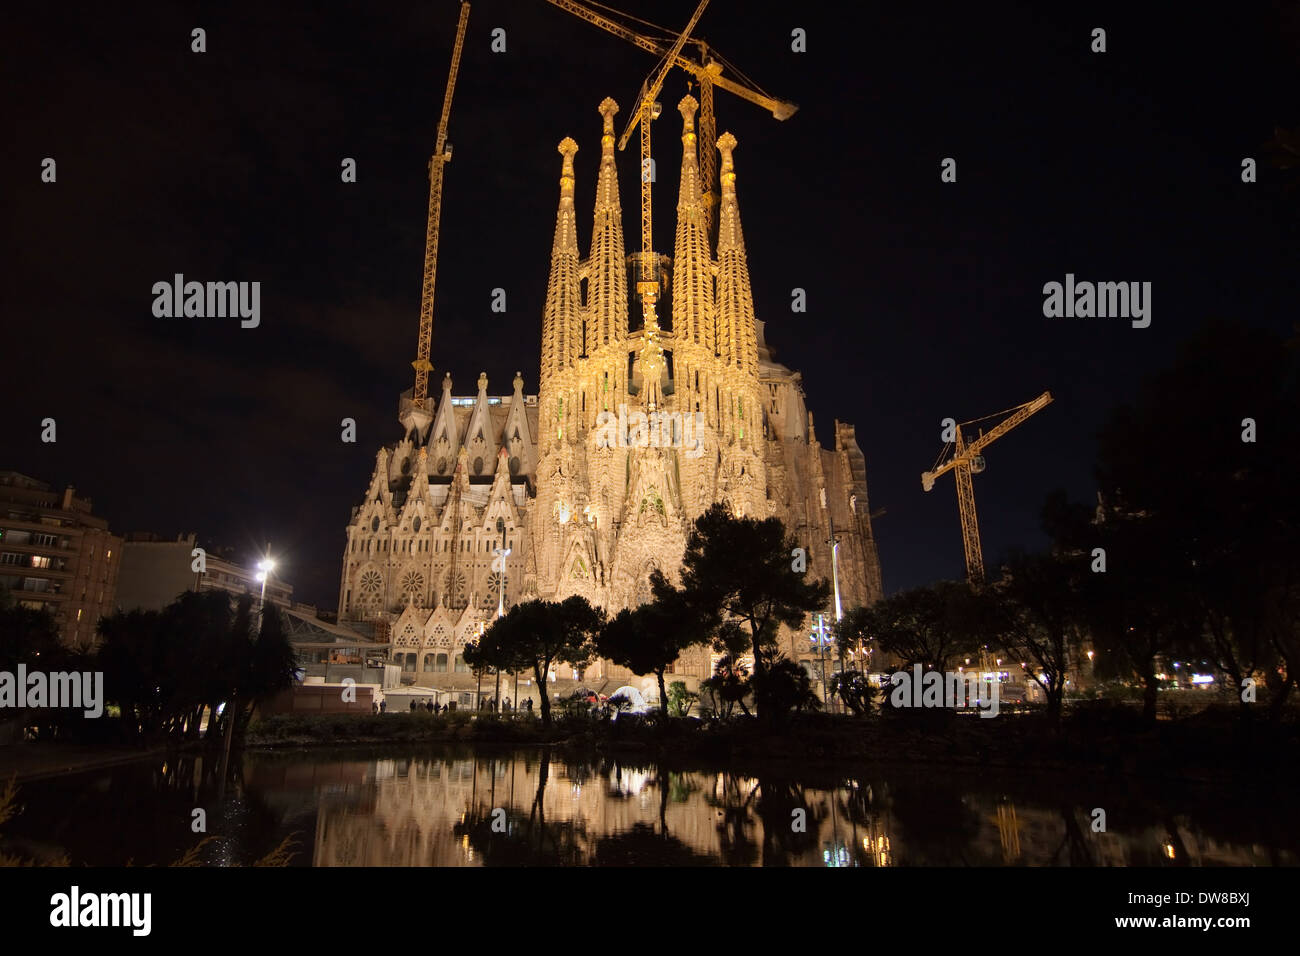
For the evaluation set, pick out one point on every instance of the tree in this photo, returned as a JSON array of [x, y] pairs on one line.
[[648, 639], [165, 668], [1198, 476], [538, 634], [26, 634], [729, 686], [739, 570], [680, 700], [1037, 608], [785, 686], [854, 688], [926, 625], [31, 637], [853, 634], [138, 670], [272, 664]]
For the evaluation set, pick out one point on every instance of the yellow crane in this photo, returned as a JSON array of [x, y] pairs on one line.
[[708, 73], [441, 156], [966, 461], [647, 109]]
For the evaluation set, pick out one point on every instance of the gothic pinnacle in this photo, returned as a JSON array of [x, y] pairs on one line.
[[692, 273], [567, 149], [726, 143], [607, 109], [563, 289], [607, 300], [687, 108], [736, 329]]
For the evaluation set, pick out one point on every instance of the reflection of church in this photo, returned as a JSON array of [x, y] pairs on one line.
[[422, 812], [582, 514]]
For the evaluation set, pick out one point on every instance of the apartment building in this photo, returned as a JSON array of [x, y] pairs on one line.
[[57, 555]]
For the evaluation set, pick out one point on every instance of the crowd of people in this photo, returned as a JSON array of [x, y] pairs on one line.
[[488, 704]]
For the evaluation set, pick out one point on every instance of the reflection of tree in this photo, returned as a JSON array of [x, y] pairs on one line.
[[936, 824], [861, 807], [681, 786], [778, 799], [732, 797], [527, 841], [1080, 854], [641, 846], [65, 818]]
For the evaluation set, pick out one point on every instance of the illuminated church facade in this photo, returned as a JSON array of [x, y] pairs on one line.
[[638, 426]]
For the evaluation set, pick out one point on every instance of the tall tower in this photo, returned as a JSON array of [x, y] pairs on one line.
[[561, 317], [739, 397], [607, 267], [693, 308]]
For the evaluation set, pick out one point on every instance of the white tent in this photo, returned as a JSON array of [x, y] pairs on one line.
[[639, 706]]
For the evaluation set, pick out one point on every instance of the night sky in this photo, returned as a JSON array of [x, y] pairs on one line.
[[924, 298]]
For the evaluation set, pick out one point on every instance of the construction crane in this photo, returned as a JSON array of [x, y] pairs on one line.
[[647, 109], [441, 156], [708, 72], [966, 461]]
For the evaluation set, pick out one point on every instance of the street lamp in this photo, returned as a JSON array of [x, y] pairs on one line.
[[834, 542], [500, 564], [264, 569], [821, 637]]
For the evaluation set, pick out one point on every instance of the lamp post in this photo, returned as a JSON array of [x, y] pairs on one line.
[[834, 542], [500, 565], [820, 637], [264, 569], [478, 674]]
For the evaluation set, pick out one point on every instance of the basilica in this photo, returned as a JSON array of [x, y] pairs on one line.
[[491, 499]]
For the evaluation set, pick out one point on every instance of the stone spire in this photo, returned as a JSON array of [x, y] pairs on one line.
[[692, 281], [561, 320], [736, 330], [607, 285]]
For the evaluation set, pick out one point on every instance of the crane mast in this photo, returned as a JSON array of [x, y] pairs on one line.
[[441, 156], [709, 74], [967, 461], [648, 286]]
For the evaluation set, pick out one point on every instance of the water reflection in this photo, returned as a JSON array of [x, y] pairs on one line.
[[532, 808]]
